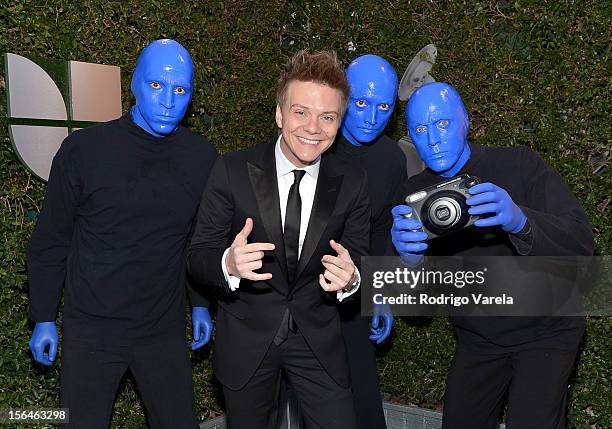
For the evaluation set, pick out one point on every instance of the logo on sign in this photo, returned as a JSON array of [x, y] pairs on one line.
[[43, 110]]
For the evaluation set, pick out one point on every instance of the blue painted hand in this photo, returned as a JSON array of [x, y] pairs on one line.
[[405, 234], [43, 343], [382, 323], [490, 198], [202, 327]]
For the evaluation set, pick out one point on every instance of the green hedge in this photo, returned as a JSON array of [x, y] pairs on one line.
[[531, 72]]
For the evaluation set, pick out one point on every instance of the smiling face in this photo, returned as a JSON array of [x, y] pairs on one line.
[[373, 91], [438, 125], [309, 120], [162, 85]]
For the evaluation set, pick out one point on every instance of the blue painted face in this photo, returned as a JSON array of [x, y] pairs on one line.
[[438, 125], [373, 91], [162, 85]]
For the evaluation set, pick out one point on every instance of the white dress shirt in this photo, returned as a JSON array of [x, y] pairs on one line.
[[308, 186]]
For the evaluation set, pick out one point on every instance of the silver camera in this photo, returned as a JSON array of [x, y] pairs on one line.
[[442, 208]]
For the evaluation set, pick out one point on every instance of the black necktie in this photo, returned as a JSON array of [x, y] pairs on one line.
[[292, 225]]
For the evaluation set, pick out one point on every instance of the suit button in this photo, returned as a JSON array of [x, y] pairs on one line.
[[290, 298]]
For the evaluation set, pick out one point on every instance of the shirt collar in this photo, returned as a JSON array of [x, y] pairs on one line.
[[284, 166]]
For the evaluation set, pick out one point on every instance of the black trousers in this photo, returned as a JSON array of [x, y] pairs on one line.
[[323, 403], [533, 376], [364, 372], [92, 369]]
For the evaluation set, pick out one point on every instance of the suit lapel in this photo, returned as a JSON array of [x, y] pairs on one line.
[[265, 187], [326, 194]]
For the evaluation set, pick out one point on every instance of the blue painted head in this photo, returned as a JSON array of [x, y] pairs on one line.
[[373, 91], [162, 85], [438, 125]]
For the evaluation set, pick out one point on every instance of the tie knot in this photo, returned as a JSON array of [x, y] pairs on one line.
[[298, 174]]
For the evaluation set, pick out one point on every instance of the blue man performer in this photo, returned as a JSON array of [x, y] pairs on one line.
[[527, 210], [374, 86], [112, 233]]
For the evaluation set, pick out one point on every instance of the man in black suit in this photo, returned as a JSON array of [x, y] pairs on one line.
[[279, 231]]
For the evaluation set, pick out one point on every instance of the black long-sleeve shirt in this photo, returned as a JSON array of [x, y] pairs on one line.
[[385, 166], [113, 229], [559, 227]]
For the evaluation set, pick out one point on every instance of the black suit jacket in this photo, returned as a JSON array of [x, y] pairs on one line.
[[243, 184]]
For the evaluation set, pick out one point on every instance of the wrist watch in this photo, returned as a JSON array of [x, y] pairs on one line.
[[352, 286]]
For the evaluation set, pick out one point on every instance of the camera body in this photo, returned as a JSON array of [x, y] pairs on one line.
[[442, 208]]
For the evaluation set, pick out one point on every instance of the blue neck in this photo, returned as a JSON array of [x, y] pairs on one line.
[[139, 120], [349, 137], [463, 159]]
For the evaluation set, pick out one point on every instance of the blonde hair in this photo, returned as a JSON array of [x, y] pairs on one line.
[[321, 67]]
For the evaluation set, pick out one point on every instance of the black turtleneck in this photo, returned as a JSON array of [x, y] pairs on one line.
[[385, 166], [113, 230]]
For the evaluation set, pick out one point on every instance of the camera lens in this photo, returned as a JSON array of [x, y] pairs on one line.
[[444, 212], [443, 209]]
